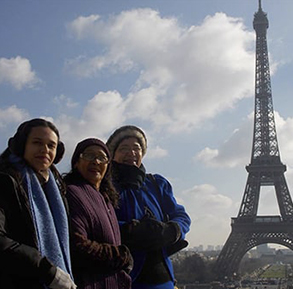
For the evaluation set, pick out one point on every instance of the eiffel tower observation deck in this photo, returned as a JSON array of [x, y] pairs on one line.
[[265, 169]]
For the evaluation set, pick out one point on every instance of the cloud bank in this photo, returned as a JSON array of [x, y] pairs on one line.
[[184, 75]]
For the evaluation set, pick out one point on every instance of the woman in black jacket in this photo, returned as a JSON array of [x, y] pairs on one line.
[[34, 245]]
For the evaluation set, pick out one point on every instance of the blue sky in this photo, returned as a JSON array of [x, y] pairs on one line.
[[181, 70]]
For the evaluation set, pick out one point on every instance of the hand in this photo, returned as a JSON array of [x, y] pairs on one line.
[[62, 280], [127, 257], [149, 234], [163, 233], [112, 257]]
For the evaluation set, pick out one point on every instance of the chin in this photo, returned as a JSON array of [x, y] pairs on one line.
[[130, 164]]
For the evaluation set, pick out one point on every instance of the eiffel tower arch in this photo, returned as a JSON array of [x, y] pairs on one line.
[[265, 169]]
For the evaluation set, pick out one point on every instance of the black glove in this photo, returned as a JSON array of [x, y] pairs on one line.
[[110, 257], [170, 233], [149, 234]]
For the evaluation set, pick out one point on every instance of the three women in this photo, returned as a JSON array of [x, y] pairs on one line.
[[34, 231]]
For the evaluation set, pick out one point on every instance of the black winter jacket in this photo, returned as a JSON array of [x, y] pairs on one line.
[[21, 265]]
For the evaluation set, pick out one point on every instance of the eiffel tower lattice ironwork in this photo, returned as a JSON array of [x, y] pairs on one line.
[[265, 169]]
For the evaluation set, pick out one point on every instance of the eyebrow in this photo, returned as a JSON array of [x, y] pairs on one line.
[[38, 138], [93, 152], [127, 145]]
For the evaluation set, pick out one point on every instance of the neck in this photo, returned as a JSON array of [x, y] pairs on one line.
[[43, 176]]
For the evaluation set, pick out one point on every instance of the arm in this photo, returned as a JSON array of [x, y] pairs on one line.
[[175, 212], [92, 254], [16, 257]]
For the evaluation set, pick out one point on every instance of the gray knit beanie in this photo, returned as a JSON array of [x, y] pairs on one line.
[[124, 132]]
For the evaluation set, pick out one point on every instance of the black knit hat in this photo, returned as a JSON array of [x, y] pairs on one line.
[[124, 132], [81, 146]]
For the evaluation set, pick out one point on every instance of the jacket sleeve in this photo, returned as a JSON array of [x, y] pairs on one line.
[[174, 211], [17, 258], [89, 254]]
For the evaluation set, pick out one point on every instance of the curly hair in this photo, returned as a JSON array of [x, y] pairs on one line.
[[107, 188]]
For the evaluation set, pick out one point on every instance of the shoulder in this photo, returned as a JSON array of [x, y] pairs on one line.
[[159, 179], [79, 190], [74, 189], [7, 180], [9, 188]]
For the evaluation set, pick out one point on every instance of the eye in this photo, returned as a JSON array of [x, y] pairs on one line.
[[124, 149], [89, 156], [37, 142], [103, 159], [137, 149], [52, 146]]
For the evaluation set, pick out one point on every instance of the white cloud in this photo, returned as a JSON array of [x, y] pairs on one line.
[[207, 155], [81, 26], [284, 129], [210, 212], [62, 100], [185, 74], [104, 112], [157, 152], [236, 151], [12, 114], [17, 72]]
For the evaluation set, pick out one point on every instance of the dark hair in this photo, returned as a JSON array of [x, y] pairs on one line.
[[16, 144], [107, 188]]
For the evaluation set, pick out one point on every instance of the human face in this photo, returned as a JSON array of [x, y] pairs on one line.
[[40, 148], [129, 152], [93, 171]]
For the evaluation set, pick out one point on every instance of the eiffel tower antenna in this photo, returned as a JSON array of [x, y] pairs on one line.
[[265, 169]]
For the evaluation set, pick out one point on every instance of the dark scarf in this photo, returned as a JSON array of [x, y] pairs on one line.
[[127, 176], [154, 270]]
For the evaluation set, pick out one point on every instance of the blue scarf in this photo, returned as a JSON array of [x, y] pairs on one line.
[[49, 215]]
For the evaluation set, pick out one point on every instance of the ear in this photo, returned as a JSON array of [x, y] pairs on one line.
[[15, 145], [11, 144], [59, 152]]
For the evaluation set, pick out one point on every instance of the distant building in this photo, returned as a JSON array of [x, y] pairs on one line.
[[211, 248]]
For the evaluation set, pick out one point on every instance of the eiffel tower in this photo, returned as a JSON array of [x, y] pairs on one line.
[[266, 169]]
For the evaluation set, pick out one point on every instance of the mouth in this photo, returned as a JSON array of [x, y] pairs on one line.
[[43, 159], [94, 170], [130, 162]]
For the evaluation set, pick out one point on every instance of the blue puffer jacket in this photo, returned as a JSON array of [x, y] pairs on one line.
[[158, 197]]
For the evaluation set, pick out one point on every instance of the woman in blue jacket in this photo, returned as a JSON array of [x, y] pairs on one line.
[[152, 224]]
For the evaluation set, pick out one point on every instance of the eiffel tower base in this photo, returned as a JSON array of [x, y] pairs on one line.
[[247, 234]]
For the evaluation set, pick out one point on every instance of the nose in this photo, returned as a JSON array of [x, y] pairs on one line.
[[45, 148], [131, 151], [96, 160]]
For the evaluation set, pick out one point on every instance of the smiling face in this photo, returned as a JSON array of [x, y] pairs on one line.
[[129, 152], [93, 170], [40, 148]]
